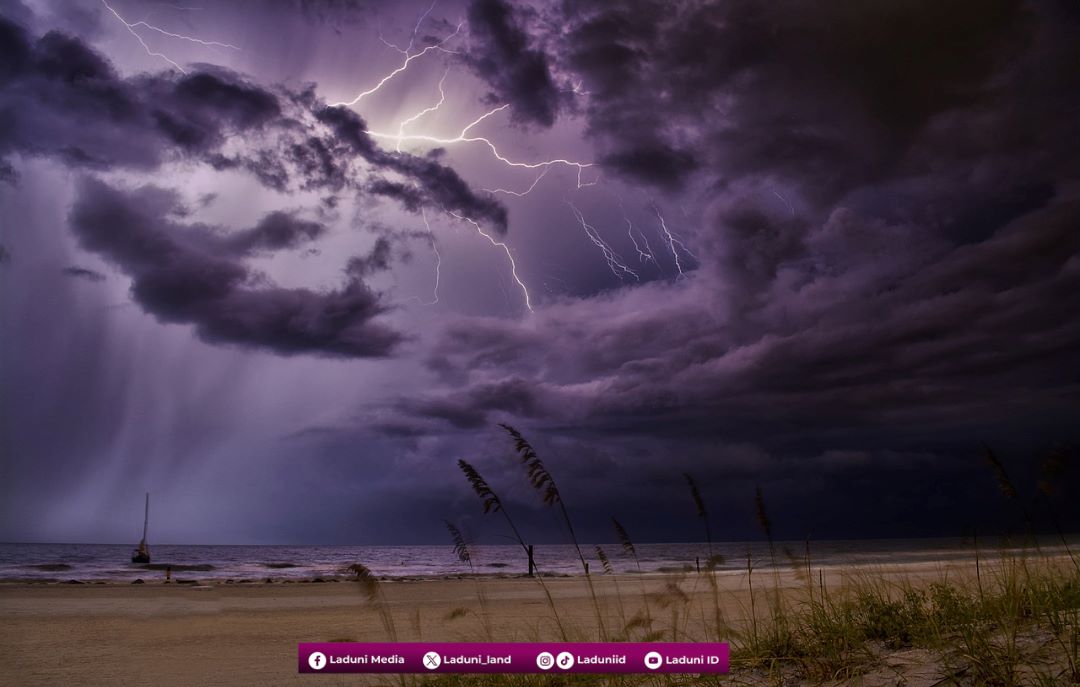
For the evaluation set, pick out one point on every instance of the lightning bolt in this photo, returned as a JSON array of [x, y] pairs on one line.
[[438, 264], [643, 255], [421, 113], [522, 194], [464, 137], [543, 166], [790, 208], [130, 26], [506, 249], [578, 88], [401, 136], [613, 259], [409, 57], [672, 241], [583, 184], [438, 271], [416, 29]]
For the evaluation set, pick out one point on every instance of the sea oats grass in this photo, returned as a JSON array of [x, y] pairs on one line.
[[1014, 619]]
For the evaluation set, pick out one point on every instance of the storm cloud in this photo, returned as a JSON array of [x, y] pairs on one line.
[[503, 56], [64, 100], [193, 274], [884, 256], [850, 234]]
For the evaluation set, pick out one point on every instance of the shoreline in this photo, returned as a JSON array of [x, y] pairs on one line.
[[179, 580], [184, 573], [60, 563]]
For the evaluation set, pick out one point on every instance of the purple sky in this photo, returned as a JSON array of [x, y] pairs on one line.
[[255, 260]]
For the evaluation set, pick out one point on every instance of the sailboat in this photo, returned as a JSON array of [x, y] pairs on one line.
[[142, 554]]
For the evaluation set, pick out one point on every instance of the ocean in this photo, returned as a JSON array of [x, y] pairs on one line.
[[112, 562]]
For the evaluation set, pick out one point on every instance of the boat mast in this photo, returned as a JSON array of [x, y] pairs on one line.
[[146, 518]]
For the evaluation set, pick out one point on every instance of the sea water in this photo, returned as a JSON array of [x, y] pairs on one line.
[[112, 562]]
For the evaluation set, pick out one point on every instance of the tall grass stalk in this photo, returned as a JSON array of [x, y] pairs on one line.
[[699, 505], [493, 504], [372, 591], [628, 547], [764, 523], [978, 567], [1010, 492], [1050, 474], [463, 551], [544, 482], [753, 604], [605, 563]]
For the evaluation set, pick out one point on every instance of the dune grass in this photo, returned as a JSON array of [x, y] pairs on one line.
[[1015, 621], [1028, 609]]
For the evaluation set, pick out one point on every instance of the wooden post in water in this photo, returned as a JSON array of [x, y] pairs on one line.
[[532, 565]]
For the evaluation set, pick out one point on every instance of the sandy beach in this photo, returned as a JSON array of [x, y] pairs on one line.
[[224, 634]]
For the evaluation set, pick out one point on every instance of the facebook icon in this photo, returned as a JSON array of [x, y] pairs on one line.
[[317, 660]]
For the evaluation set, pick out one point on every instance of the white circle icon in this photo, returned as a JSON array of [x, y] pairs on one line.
[[653, 660], [544, 661], [432, 660], [565, 660], [317, 660]]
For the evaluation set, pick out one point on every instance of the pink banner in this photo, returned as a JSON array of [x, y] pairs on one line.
[[510, 657]]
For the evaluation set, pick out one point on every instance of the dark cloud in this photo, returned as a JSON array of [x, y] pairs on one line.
[[827, 100], [276, 231], [199, 110], [826, 346], [445, 189], [331, 12], [885, 252], [220, 97], [653, 162], [470, 409], [376, 260], [350, 130], [435, 184], [502, 55], [881, 200], [409, 197], [14, 48], [66, 101], [63, 100], [83, 273], [180, 275]]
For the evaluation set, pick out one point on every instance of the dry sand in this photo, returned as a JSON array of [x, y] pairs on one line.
[[226, 634]]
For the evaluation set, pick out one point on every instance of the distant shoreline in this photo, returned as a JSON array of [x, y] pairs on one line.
[[58, 564], [157, 577]]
